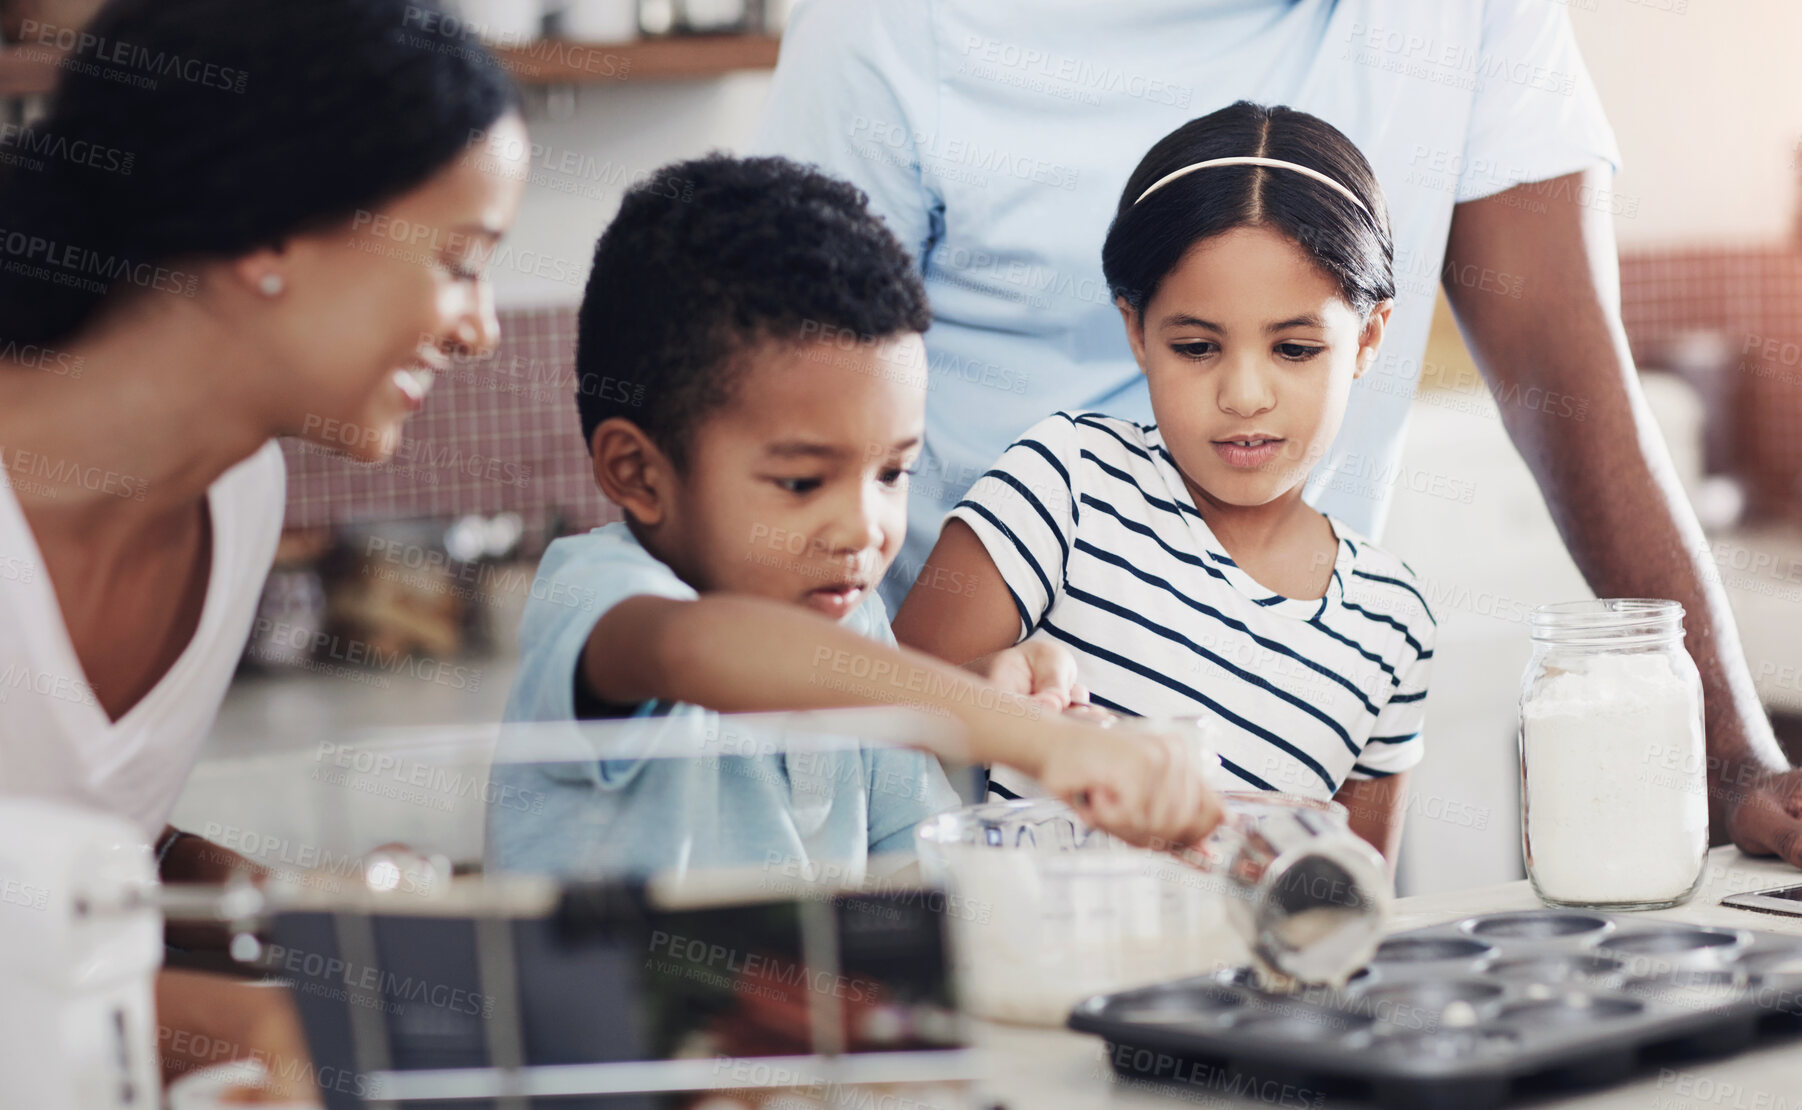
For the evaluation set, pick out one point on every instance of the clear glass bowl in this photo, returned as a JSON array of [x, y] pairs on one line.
[[1048, 911]]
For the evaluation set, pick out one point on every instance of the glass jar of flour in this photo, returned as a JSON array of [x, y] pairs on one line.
[[1614, 802]]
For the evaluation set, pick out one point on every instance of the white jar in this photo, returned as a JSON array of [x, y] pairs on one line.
[[503, 22], [600, 20], [1613, 762]]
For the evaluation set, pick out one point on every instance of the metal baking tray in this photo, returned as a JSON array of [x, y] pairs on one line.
[[1466, 1014]]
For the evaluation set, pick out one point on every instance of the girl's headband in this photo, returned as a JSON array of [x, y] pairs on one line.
[[1251, 160]]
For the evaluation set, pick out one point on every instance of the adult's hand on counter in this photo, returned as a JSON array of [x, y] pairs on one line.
[[1534, 278], [204, 1020], [1764, 818]]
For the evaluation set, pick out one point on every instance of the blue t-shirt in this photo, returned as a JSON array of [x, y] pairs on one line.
[[802, 811], [995, 136]]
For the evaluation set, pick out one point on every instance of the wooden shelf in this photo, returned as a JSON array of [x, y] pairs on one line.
[[555, 62], [25, 70]]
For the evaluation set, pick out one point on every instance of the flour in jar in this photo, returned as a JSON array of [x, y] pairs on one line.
[[1616, 806]]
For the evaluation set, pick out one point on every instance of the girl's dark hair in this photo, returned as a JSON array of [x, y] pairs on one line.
[[188, 129], [1147, 240]]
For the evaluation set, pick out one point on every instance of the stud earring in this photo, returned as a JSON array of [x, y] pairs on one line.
[[270, 284]]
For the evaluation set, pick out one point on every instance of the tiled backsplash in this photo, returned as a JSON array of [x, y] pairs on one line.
[[502, 433], [497, 434], [1752, 300]]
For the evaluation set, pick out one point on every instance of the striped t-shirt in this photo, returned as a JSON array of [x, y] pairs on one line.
[[1101, 546]]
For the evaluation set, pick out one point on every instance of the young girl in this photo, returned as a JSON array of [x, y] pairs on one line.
[[1251, 262]]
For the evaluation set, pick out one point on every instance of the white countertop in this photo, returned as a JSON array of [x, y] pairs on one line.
[[1042, 1068]]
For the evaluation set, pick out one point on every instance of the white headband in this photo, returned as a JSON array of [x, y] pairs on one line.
[[1250, 160]]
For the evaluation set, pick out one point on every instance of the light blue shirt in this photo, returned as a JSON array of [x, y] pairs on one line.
[[995, 137], [800, 812]]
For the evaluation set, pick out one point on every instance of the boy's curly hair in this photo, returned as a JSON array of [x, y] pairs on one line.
[[710, 257]]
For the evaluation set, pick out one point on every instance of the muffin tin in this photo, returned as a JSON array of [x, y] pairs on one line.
[[1460, 1015]]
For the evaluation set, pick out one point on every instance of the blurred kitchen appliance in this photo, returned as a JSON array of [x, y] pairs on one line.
[[610, 987], [498, 992], [80, 944]]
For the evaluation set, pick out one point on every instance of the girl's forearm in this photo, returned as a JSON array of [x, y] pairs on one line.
[[1376, 808], [975, 619]]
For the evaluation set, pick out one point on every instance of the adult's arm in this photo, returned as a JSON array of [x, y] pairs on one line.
[[191, 858], [1605, 473]]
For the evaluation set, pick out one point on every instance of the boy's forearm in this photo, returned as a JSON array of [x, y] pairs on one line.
[[747, 655]]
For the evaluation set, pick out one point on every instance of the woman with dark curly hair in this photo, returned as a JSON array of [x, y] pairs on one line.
[[240, 219]]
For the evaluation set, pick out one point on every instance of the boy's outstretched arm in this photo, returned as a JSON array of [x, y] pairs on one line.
[[744, 654]]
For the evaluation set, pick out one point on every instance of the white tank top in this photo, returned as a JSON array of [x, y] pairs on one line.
[[56, 741]]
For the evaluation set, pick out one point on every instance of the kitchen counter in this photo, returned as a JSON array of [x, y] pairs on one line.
[[1042, 1068]]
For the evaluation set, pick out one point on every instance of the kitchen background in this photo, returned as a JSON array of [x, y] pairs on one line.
[[399, 586]]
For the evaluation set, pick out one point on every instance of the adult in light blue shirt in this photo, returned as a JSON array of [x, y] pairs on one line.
[[690, 794], [995, 137]]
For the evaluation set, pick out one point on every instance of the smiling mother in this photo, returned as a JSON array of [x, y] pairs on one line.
[[245, 246], [240, 219]]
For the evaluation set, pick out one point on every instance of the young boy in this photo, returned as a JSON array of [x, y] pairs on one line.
[[752, 381]]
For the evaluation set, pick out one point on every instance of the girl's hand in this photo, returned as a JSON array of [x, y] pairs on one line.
[[1037, 669], [1147, 788]]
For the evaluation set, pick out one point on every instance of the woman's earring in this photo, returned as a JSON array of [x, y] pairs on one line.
[[271, 284]]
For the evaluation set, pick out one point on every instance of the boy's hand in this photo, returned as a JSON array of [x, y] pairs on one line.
[[1037, 669], [1147, 788]]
